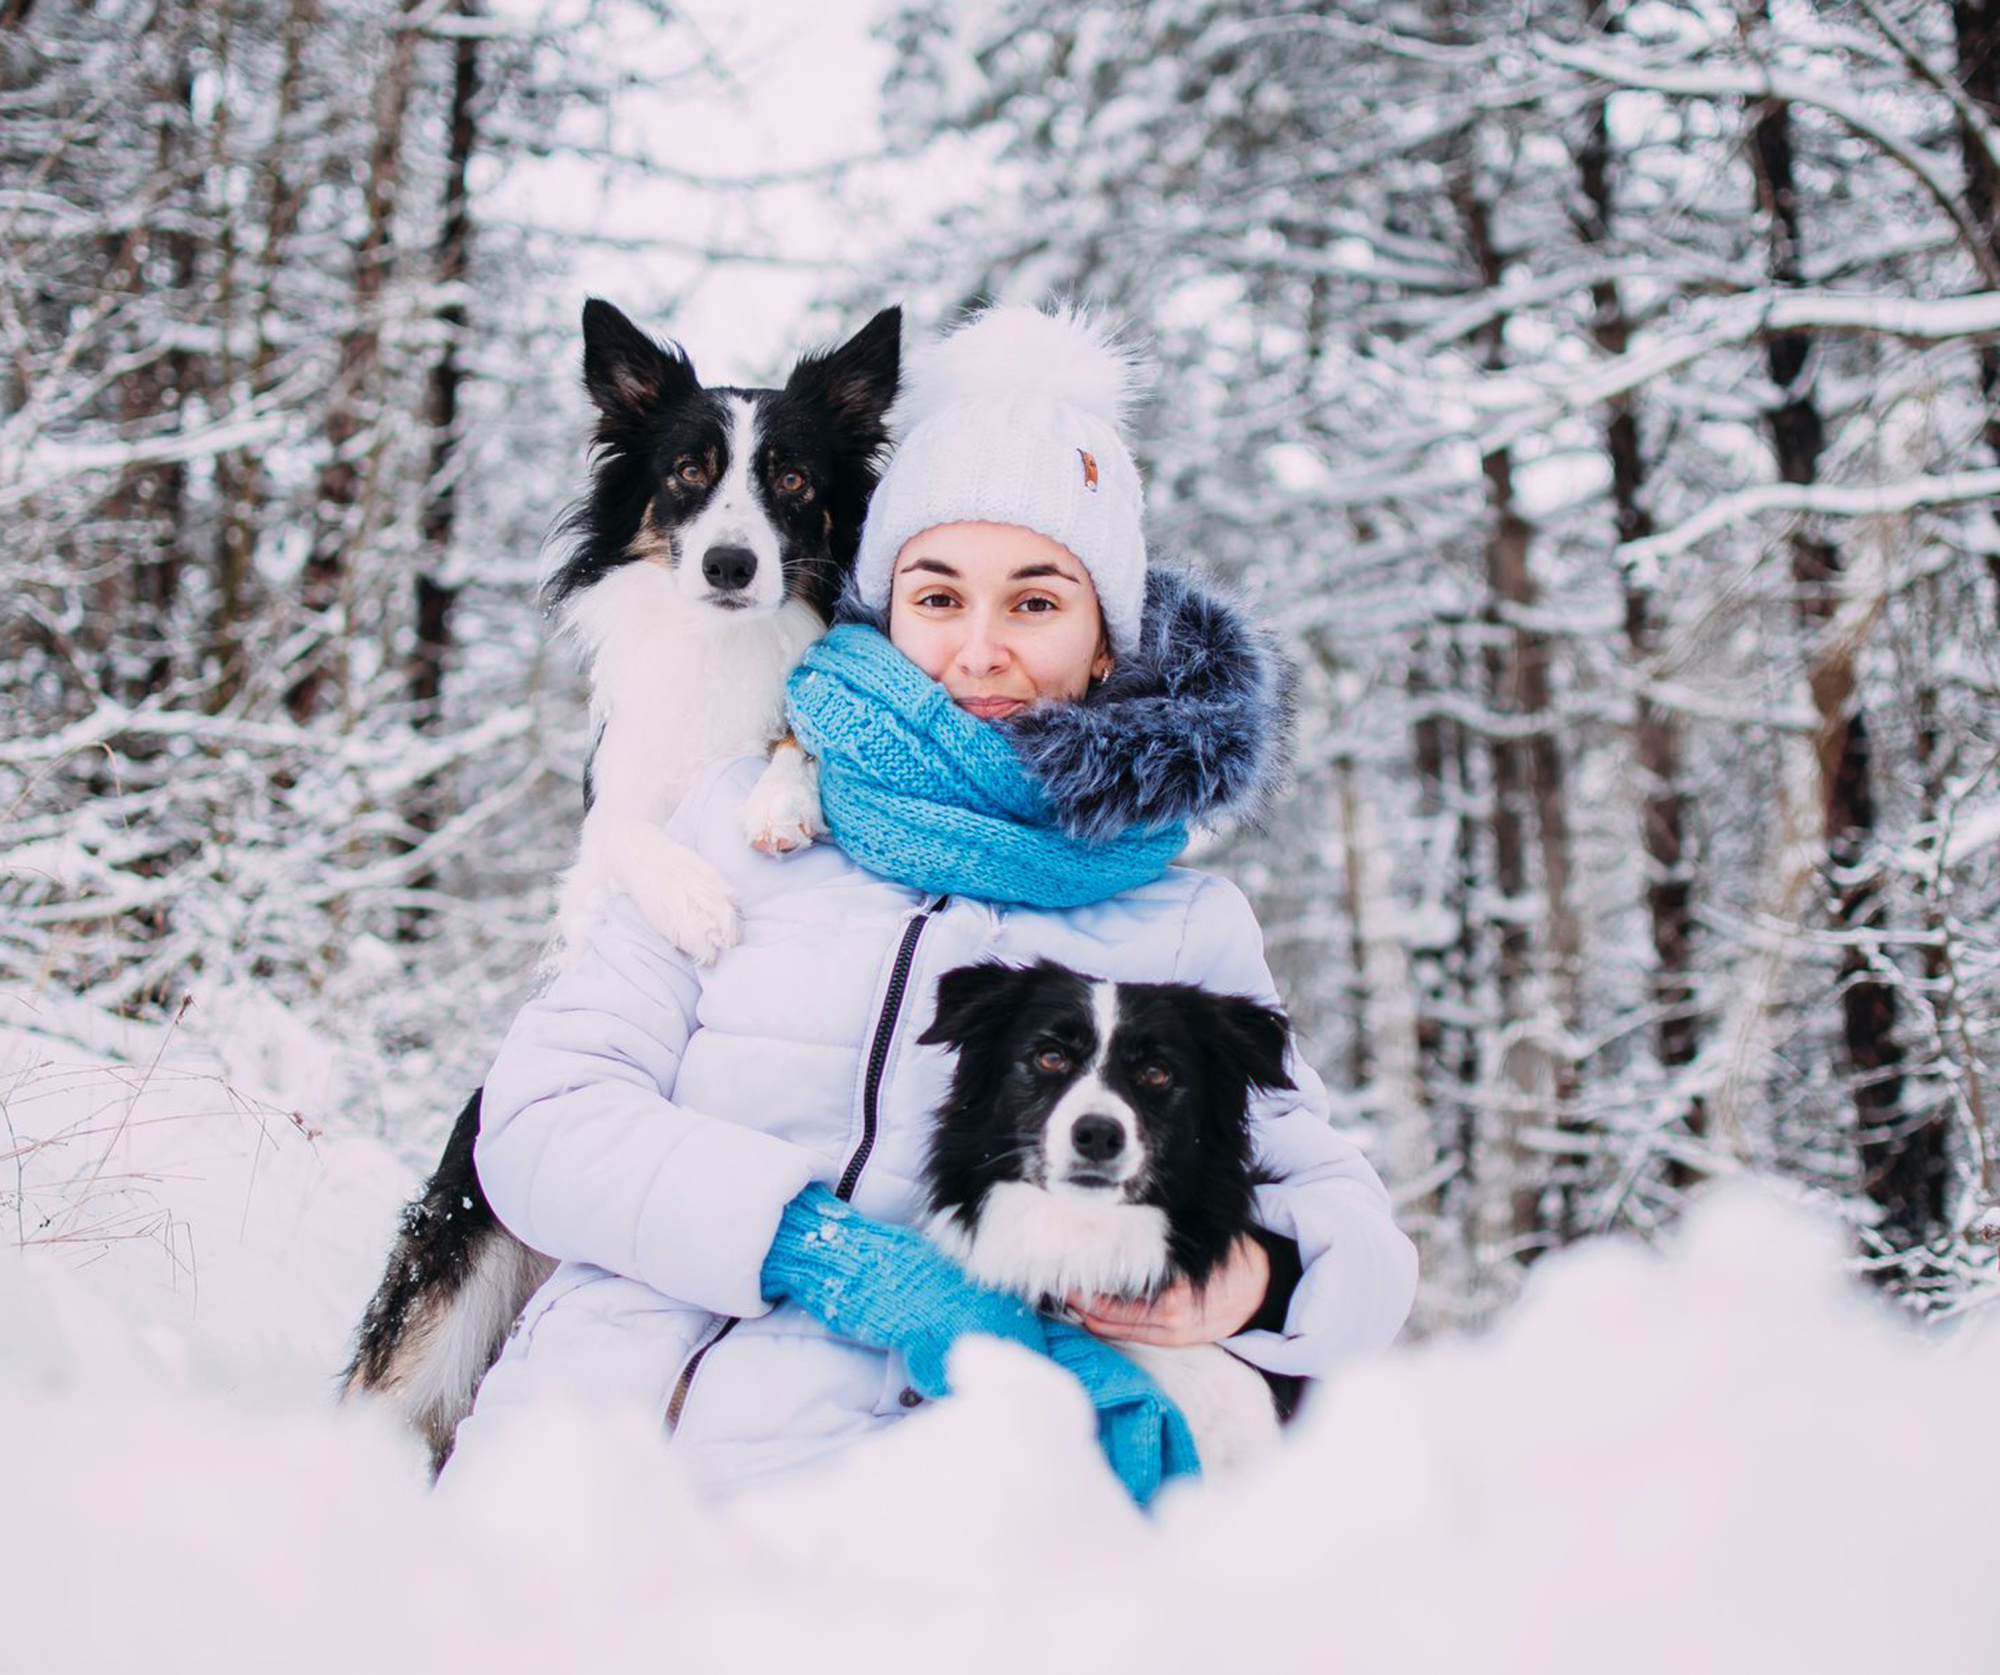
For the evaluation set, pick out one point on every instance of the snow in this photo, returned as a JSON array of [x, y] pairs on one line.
[[1661, 1461], [167, 1216], [1971, 832]]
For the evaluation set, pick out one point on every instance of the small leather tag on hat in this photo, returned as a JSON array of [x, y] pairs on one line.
[[1089, 469]]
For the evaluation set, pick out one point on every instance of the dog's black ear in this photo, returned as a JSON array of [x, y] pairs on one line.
[[969, 996], [857, 381], [1252, 1037], [625, 371]]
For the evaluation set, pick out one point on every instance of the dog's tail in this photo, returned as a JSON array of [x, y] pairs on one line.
[[455, 1284]]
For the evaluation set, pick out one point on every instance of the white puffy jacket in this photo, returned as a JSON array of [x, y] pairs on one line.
[[648, 1120]]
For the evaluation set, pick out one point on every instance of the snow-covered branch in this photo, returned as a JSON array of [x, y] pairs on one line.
[[1833, 500], [1760, 82]]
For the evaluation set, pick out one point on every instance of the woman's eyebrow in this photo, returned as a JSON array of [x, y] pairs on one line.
[[1033, 570], [937, 565]]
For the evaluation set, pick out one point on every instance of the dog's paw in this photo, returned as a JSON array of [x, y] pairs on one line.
[[783, 813], [680, 895], [692, 907]]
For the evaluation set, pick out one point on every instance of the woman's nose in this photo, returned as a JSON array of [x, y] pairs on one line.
[[982, 651]]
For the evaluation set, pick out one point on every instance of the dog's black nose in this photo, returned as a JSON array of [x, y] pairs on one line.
[[1097, 1139], [728, 569]]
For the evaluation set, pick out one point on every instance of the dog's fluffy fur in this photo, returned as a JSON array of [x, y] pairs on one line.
[[1096, 1140], [719, 528], [454, 1285]]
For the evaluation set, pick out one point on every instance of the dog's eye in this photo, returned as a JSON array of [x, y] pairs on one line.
[[792, 482], [1155, 1076], [690, 472], [1052, 1059]]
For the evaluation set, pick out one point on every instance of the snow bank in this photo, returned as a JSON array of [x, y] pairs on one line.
[[1725, 1458], [179, 1216]]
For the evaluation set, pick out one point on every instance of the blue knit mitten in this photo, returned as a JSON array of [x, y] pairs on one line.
[[1142, 1433], [890, 1288], [885, 1286]]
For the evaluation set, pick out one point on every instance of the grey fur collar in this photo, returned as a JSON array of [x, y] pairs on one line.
[[1193, 725]]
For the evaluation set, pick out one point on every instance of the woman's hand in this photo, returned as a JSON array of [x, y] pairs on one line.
[[1180, 1315]]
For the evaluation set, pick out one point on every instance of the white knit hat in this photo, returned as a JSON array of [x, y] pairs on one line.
[[1014, 418]]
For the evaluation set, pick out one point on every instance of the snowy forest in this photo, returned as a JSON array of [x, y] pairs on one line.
[[1601, 402]]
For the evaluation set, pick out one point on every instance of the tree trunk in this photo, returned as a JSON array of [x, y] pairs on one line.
[[1354, 891], [159, 570], [434, 594], [1442, 968], [1656, 732], [1903, 1164], [350, 410], [1977, 27], [239, 476], [147, 511], [1527, 785]]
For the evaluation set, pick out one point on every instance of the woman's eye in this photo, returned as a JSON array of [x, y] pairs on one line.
[[791, 482], [1038, 605], [1052, 1059], [690, 472], [934, 601], [1155, 1076]]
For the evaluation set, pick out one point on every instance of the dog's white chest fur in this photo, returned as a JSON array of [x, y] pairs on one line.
[[1036, 1243], [675, 685]]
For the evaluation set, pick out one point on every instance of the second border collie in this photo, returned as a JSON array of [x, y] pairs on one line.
[[1096, 1139], [719, 528]]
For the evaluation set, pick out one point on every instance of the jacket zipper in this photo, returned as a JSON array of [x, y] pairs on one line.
[[871, 1095], [685, 1382], [878, 1050]]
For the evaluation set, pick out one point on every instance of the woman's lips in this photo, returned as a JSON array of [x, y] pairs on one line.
[[991, 709]]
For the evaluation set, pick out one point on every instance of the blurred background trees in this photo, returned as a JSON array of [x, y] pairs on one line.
[[1602, 403], [288, 409]]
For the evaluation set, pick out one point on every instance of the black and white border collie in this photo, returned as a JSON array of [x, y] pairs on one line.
[[718, 530], [1096, 1139]]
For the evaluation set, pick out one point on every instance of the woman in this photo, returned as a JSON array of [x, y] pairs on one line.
[[649, 1122]]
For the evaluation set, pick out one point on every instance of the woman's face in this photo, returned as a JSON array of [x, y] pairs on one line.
[[999, 616]]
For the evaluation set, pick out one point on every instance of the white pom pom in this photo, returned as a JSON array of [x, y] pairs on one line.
[[1012, 351]]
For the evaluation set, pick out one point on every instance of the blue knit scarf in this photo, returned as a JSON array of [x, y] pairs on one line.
[[920, 792]]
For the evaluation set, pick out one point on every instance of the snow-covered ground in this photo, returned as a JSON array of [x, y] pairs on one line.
[[1724, 1458]]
